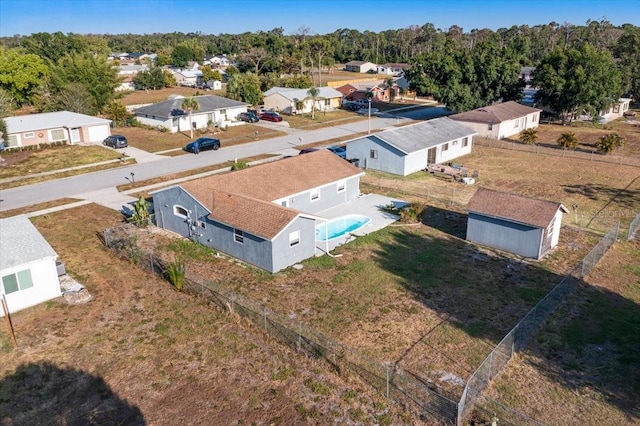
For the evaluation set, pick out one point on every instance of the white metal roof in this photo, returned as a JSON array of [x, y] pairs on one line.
[[51, 120]]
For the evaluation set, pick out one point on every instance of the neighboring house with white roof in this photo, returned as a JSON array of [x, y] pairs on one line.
[[187, 77], [393, 69], [409, 149], [127, 72], [287, 100], [360, 66], [521, 225], [264, 215], [60, 126], [500, 120], [170, 115], [27, 265]]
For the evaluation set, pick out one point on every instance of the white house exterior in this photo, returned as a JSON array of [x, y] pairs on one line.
[[409, 149], [616, 111], [59, 126], [500, 120], [170, 115], [285, 99], [27, 265], [360, 66], [521, 225], [393, 69], [189, 78]]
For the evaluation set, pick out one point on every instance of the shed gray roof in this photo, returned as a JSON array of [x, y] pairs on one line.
[[51, 120], [427, 134], [299, 94], [21, 243], [173, 107]]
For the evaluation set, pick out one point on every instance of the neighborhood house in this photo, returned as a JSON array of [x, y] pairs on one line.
[[500, 120], [212, 110], [298, 101], [393, 69], [27, 265], [60, 126], [265, 215], [409, 149], [521, 225], [360, 66]]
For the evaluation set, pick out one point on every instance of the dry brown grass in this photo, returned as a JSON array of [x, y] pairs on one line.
[[152, 140], [158, 351], [37, 207], [139, 97]]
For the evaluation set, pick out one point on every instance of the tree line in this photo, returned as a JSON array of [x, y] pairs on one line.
[[465, 70]]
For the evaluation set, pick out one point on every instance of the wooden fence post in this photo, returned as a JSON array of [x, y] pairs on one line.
[[7, 317]]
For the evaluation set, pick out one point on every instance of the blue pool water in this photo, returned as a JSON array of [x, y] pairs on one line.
[[340, 226]]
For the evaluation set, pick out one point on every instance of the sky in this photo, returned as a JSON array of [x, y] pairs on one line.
[[25, 17]]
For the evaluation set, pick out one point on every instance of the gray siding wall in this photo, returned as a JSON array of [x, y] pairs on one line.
[[329, 197], [284, 254], [163, 203], [271, 256], [503, 235], [389, 159]]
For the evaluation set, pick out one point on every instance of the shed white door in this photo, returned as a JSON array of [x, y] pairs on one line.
[[99, 133]]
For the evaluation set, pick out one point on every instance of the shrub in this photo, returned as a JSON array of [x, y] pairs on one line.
[[529, 136], [175, 273], [411, 213], [238, 165], [568, 140], [609, 142]]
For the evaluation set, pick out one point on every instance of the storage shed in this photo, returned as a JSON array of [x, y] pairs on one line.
[[521, 225]]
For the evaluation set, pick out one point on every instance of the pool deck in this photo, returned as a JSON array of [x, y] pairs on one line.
[[366, 205]]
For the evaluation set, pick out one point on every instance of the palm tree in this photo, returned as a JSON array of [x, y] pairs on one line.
[[190, 104], [392, 91], [313, 95]]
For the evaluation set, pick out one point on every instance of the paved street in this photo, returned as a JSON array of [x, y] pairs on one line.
[[95, 186]]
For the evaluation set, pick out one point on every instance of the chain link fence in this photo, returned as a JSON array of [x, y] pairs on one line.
[[593, 155], [521, 334], [633, 227], [386, 378]]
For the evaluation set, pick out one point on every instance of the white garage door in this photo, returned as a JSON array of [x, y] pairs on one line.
[[99, 133]]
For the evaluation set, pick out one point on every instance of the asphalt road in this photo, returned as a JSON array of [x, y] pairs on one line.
[[75, 186]]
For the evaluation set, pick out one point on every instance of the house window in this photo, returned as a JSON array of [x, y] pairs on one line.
[[315, 194], [238, 236], [180, 211], [517, 124], [550, 228], [29, 135], [57, 135], [294, 238], [175, 122], [616, 108], [373, 153], [203, 225], [341, 186], [533, 118], [18, 281], [465, 141], [490, 126], [445, 147], [12, 141]]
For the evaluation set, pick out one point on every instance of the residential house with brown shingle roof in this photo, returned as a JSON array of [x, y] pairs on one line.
[[263, 215], [500, 120], [521, 225]]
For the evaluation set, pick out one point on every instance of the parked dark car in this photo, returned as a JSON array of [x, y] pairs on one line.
[[202, 144], [352, 106], [308, 150], [340, 151], [270, 116], [249, 117], [116, 141]]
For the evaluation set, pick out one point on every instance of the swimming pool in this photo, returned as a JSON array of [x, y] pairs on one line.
[[340, 226]]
